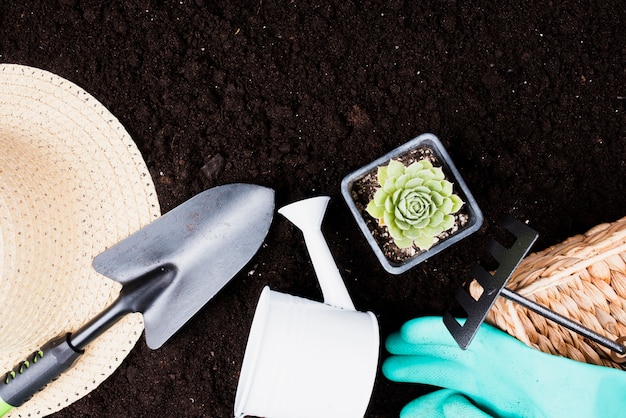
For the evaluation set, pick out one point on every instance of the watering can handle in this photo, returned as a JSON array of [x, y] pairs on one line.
[[307, 215]]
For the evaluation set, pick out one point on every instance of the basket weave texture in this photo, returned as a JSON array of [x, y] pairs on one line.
[[584, 279]]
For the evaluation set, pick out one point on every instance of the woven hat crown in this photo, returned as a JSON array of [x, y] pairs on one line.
[[72, 183]]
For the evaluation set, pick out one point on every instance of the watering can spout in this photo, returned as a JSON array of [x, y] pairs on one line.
[[307, 215]]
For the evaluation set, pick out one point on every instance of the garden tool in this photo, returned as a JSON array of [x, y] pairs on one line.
[[168, 270], [493, 285], [499, 375], [306, 358]]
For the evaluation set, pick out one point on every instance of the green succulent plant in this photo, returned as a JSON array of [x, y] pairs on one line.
[[416, 203]]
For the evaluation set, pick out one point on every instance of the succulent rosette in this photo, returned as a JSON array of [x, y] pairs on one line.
[[416, 203]]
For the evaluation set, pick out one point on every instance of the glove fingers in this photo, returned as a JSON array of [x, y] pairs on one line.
[[427, 330], [460, 406], [431, 331], [443, 403], [397, 344], [430, 371]]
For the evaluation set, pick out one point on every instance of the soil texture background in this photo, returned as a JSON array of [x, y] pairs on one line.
[[528, 98]]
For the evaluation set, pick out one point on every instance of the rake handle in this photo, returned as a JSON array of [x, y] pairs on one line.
[[563, 321]]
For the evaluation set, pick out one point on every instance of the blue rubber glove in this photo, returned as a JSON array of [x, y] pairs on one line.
[[444, 403], [500, 375]]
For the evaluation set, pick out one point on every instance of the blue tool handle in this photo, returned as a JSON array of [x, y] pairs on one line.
[[31, 375]]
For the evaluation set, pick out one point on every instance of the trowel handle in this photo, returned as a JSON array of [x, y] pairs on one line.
[[331, 283], [32, 374]]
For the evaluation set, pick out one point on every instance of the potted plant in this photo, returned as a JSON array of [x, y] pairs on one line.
[[411, 203]]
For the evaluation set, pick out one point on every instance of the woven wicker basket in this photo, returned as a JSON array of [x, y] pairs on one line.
[[584, 279]]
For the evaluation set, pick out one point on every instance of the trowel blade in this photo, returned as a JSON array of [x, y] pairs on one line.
[[208, 239]]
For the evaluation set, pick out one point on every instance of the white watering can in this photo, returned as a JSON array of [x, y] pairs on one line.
[[306, 358]]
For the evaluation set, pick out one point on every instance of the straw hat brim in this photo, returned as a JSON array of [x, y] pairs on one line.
[[72, 184]]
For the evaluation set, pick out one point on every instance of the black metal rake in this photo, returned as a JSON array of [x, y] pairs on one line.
[[493, 285]]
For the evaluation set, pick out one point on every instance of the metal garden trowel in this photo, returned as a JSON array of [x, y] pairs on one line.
[[168, 270]]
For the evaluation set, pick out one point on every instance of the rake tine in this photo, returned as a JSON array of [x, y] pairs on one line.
[[484, 278], [522, 232], [497, 250], [466, 301], [508, 259], [462, 338], [464, 333]]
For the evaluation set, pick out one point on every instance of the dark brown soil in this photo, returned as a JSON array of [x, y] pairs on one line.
[[528, 98]]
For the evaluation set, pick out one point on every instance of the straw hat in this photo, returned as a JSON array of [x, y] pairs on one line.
[[72, 183]]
